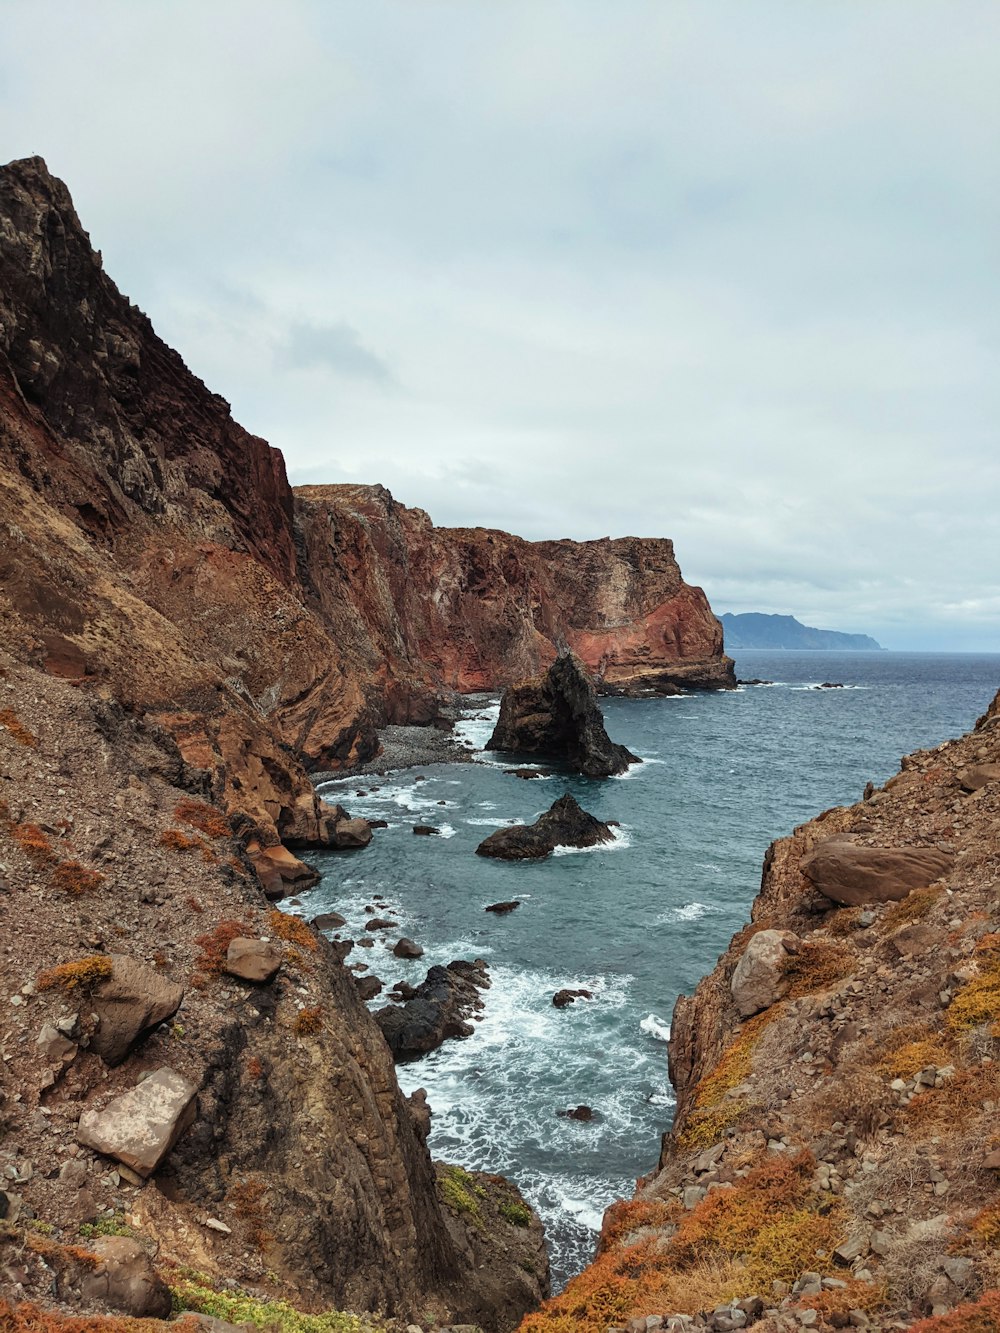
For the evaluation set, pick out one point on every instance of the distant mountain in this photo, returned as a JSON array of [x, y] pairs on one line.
[[752, 629]]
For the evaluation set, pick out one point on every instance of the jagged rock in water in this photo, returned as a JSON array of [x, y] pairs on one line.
[[564, 824], [557, 715], [436, 1009]]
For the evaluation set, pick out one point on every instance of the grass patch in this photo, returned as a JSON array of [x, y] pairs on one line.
[[112, 1224], [178, 841], [911, 1048], [818, 965], [982, 1316], [735, 1062], [978, 1001], [240, 1308], [911, 908], [516, 1213], [461, 1192]]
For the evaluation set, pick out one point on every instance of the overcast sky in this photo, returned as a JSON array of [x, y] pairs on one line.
[[723, 272]]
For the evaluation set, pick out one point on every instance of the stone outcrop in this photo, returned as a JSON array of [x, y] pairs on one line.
[[133, 1001], [437, 1009], [761, 975], [852, 874], [564, 824], [252, 960], [124, 1279], [141, 1126], [557, 716]]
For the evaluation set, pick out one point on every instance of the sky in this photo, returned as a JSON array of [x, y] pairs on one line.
[[721, 272]]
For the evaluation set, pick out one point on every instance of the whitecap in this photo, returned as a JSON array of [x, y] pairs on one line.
[[621, 840], [688, 912], [655, 1027]]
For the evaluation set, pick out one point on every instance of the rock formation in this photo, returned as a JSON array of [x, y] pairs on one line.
[[830, 1162], [564, 824], [437, 1009], [557, 716]]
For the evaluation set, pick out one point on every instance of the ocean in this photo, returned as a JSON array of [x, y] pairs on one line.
[[637, 922]]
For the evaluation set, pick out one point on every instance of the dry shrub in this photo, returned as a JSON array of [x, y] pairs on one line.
[[702, 1129], [627, 1216], [913, 1047], [860, 1098], [309, 1021], [205, 818], [17, 729], [214, 944], [978, 1001], [83, 974], [247, 1199], [255, 1068], [178, 841], [769, 1227], [71, 877], [26, 1317], [734, 1063], [844, 922], [982, 1316], [33, 842], [915, 905], [952, 1103], [55, 1251], [818, 965], [293, 929]]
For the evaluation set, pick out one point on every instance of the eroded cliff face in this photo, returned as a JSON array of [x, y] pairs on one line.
[[474, 609], [833, 1160]]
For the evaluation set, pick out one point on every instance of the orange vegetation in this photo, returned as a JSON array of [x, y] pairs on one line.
[[309, 1021], [913, 1047], [10, 720], [72, 877], [203, 817], [33, 842], [818, 965], [769, 1227], [248, 1202], [26, 1317], [293, 929], [214, 944], [912, 907], [80, 975], [178, 841], [982, 1316]]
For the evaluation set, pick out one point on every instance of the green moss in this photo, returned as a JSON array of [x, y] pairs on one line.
[[237, 1307], [516, 1213], [460, 1192], [111, 1224]]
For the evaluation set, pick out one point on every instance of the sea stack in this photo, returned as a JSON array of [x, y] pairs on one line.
[[557, 716], [565, 824]]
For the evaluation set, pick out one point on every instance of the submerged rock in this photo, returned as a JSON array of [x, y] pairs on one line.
[[565, 824], [564, 997], [502, 908], [436, 1009], [557, 715]]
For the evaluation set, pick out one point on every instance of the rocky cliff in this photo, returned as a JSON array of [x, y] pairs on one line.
[[834, 1159]]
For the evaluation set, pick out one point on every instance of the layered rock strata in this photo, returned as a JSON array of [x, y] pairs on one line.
[[557, 716], [830, 1164]]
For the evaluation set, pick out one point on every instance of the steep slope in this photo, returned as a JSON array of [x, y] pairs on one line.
[[833, 1158]]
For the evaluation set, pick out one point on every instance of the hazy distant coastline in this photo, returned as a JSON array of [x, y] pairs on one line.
[[753, 629]]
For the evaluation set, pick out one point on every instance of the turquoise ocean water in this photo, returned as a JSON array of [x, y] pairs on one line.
[[638, 922]]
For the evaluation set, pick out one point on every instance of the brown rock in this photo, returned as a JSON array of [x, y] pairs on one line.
[[853, 875], [368, 987], [577, 1113], [502, 908], [252, 960], [405, 948], [278, 868], [133, 1001], [352, 833], [977, 776], [380, 923], [329, 921], [125, 1279], [141, 1126], [425, 830], [759, 977], [564, 997], [564, 824]]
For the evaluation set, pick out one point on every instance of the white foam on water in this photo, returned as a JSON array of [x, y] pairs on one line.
[[688, 912], [492, 823], [655, 1027], [476, 725], [445, 831], [622, 839]]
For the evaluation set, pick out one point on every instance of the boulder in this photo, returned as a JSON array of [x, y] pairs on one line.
[[577, 1113], [405, 948], [853, 875], [141, 1126], [368, 987], [54, 1049], [437, 1009], [978, 776], [565, 824], [556, 715], [352, 833], [564, 997], [277, 868], [425, 830], [252, 960], [133, 1001], [380, 923], [501, 909], [759, 978], [329, 921], [124, 1279]]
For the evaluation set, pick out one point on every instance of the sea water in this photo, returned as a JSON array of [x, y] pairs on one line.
[[636, 922]]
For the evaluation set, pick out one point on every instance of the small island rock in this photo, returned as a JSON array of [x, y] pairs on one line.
[[565, 824]]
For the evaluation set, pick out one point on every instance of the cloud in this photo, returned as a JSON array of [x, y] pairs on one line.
[[723, 273], [334, 347]]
